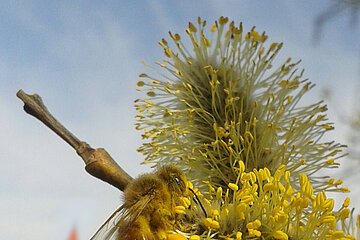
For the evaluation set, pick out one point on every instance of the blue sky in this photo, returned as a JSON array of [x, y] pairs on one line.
[[83, 58]]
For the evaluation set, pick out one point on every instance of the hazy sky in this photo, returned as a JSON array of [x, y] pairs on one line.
[[84, 57]]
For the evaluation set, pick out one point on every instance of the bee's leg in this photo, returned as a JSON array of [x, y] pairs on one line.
[[161, 235], [162, 220], [139, 230], [167, 216]]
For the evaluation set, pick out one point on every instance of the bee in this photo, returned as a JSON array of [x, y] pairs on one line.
[[148, 211]]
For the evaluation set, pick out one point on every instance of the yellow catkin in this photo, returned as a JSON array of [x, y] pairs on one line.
[[222, 83]]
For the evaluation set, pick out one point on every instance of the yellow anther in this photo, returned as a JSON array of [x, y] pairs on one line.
[[214, 213], [223, 20], [339, 182], [238, 235], [280, 235], [330, 161], [206, 41], [328, 204], [175, 37], [151, 94], [247, 199], [192, 28], [241, 166], [305, 202], [287, 176], [233, 186], [346, 202], [180, 209], [269, 187], [267, 173], [194, 237], [219, 193], [252, 177], [337, 234], [213, 28], [279, 172], [254, 233], [177, 236], [344, 189], [329, 219], [241, 207], [320, 199], [140, 83], [210, 223], [168, 52], [253, 225], [185, 201], [345, 213]]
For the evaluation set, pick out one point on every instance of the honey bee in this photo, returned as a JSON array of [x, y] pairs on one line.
[[148, 209]]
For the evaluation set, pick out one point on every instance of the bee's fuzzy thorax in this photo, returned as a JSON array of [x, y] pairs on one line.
[[145, 185]]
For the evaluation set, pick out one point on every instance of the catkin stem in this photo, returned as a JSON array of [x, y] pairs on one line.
[[98, 162]]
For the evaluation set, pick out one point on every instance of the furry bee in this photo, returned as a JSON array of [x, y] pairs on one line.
[[148, 209]]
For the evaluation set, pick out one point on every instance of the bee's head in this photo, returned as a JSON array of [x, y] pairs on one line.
[[174, 177]]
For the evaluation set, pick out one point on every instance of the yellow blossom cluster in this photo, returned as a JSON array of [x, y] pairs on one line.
[[225, 102], [234, 122], [265, 206]]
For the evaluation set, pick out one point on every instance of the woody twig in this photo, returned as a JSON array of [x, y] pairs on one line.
[[98, 162]]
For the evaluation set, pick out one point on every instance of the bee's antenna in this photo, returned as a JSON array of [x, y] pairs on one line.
[[198, 201]]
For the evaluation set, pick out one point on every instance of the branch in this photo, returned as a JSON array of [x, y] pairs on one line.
[[98, 162]]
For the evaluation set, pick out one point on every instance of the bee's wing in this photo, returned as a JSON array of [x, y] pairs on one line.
[[131, 214], [109, 228]]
